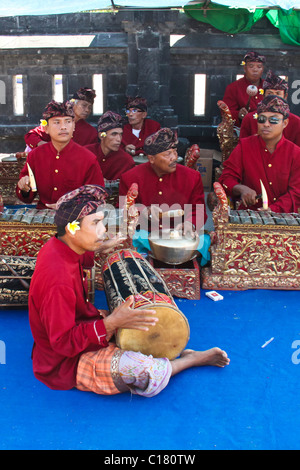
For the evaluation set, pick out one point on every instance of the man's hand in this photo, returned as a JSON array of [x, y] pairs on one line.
[[130, 148], [186, 229], [126, 317], [24, 184], [242, 113], [248, 195], [111, 243]]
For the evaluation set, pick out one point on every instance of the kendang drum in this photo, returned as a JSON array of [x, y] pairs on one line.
[[127, 273]]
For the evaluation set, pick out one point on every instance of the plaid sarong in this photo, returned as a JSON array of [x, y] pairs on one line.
[[98, 371], [111, 370]]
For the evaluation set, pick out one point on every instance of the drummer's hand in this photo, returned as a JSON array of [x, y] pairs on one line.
[[186, 229], [125, 317], [24, 184], [110, 244]]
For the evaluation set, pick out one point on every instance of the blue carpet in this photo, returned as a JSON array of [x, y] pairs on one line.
[[254, 403]]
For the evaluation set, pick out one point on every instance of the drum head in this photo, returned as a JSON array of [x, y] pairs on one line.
[[167, 338]]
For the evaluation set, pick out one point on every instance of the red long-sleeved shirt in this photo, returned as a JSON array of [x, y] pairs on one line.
[[149, 127], [184, 186], [291, 131], [62, 320], [57, 173], [279, 171], [236, 97], [84, 134], [114, 163]]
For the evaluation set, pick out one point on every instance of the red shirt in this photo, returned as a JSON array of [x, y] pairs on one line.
[[57, 173], [279, 171], [84, 134], [291, 131], [184, 186], [149, 127], [236, 97], [62, 321], [114, 163]]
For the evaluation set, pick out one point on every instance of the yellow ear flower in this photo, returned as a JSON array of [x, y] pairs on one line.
[[261, 91], [73, 227], [255, 116], [44, 123], [243, 62], [103, 134]]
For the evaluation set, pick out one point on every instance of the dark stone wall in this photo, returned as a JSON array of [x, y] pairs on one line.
[[132, 50]]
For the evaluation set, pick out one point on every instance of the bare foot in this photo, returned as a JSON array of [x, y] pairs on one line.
[[211, 357]]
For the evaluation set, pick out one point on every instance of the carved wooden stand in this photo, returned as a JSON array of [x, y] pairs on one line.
[[250, 256], [182, 280]]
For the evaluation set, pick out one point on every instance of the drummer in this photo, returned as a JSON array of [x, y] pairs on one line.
[[163, 183], [73, 339], [139, 126], [60, 165], [84, 133], [112, 159], [236, 96]]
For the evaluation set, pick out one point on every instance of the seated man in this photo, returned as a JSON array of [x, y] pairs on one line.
[[112, 159], [138, 127], [273, 85], [236, 96], [60, 165], [161, 182], [84, 133], [72, 339], [268, 157]]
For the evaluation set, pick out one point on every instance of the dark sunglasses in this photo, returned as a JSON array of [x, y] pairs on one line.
[[133, 111], [272, 119]]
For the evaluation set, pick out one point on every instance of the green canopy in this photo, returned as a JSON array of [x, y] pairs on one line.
[[237, 20]]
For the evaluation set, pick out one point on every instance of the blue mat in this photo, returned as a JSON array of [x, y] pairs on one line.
[[254, 403]]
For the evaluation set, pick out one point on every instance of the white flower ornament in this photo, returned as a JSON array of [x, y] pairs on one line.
[[73, 227]]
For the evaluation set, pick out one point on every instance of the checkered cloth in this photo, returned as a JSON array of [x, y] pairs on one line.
[[274, 82], [162, 140], [79, 203], [85, 94], [56, 109], [274, 104]]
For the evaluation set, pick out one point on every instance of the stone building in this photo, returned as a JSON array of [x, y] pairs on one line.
[[157, 54]]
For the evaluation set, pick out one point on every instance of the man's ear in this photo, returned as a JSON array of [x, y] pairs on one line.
[[285, 122]]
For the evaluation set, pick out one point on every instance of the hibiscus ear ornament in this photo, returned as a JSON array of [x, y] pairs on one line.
[[73, 226]]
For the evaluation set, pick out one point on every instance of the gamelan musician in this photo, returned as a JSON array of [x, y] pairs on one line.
[[244, 95], [112, 159], [84, 133], [73, 344], [273, 85], [60, 165], [267, 157], [138, 127], [162, 184]]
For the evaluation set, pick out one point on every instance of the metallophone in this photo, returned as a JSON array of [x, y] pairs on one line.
[[252, 249]]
